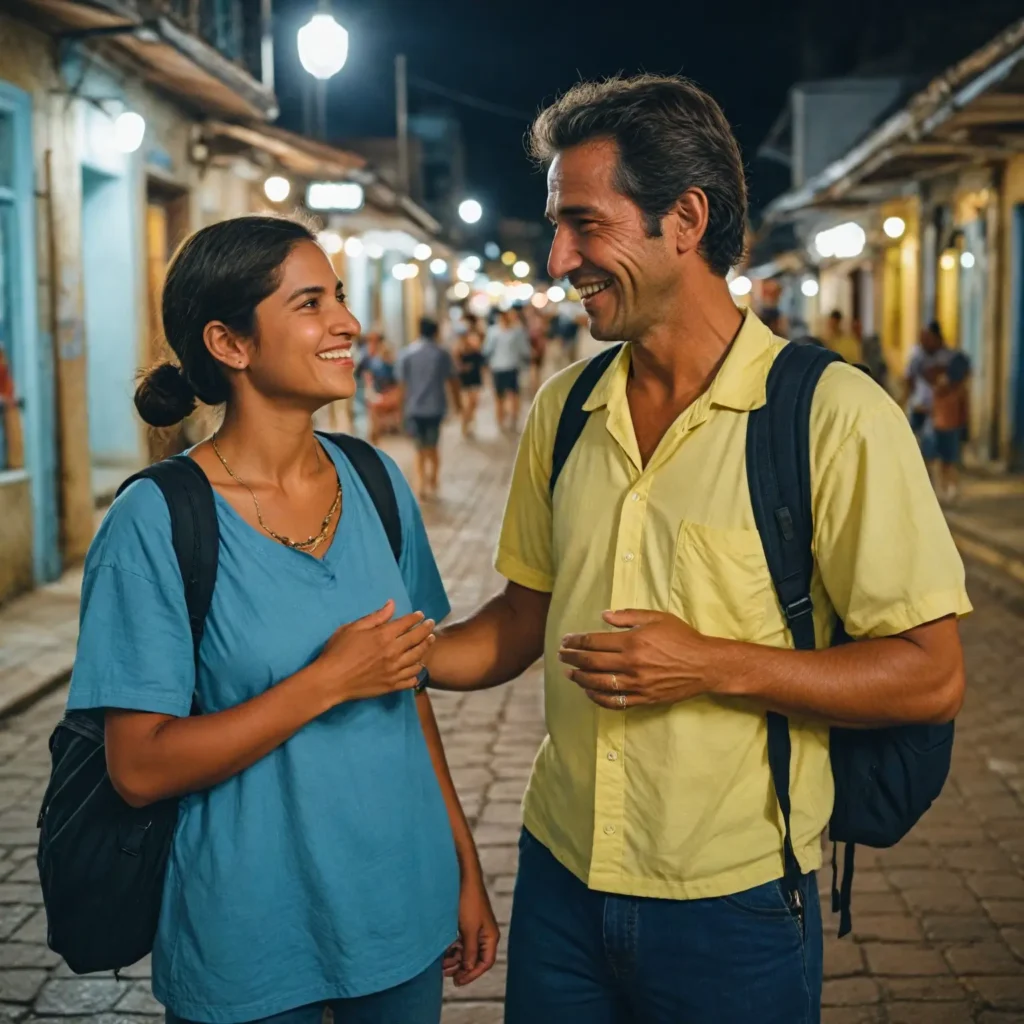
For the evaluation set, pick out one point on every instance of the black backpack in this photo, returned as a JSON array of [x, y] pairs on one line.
[[102, 862], [885, 779]]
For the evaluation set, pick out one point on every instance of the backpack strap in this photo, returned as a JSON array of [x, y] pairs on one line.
[[779, 479], [369, 466], [574, 418], [194, 532]]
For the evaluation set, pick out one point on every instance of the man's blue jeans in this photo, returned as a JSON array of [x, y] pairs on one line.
[[579, 955]]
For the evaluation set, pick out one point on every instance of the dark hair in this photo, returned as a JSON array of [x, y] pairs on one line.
[[222, 272], [934, 327], [671, 136], [835, 315], [428, 328]]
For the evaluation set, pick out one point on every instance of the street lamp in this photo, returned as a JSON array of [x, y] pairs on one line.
[[323, 50], [129, 129], [277, 188], [470, 211], [323, 46], [521, 268]]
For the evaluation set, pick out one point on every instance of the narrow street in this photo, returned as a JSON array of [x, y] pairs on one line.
[[938, 921]]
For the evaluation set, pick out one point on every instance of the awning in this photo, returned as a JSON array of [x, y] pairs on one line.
[[162, 52], [974, 111]]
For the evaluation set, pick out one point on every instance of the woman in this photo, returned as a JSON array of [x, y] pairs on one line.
[[469, 359], [321, 856]]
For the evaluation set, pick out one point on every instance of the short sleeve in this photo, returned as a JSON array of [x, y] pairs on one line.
[[419, 569], [524, 553], [886, 556], [134, 643]]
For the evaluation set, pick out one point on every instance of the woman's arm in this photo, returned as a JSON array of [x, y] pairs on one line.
[[154, 756], [478, 930]]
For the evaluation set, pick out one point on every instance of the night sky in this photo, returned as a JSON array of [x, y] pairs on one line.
[[747, 53]]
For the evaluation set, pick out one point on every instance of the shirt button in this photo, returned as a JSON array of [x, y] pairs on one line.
[[609, 830], [628, 556], [635, 496], [613, 755]]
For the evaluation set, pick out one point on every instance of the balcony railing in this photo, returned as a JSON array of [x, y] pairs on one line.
[[230, 26]]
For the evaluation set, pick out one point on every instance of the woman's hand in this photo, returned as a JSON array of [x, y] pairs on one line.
[[374, 656], [474, 952]]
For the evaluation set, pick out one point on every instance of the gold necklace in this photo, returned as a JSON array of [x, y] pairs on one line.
[[311, 543]]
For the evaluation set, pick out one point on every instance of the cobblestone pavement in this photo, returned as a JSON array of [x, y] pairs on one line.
[[938, 921]]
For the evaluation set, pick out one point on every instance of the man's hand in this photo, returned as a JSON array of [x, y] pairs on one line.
[[476, 948], [655, 659]]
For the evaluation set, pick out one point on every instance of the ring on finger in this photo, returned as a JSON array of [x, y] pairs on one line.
[[621, 698], [615, 681]]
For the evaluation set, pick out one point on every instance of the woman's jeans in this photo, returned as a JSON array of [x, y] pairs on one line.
[[579, 955], [417, 1001]]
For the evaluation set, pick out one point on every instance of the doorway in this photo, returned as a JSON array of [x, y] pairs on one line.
[[167, 224], [1017, 334]]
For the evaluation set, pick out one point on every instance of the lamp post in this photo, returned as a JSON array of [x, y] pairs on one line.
[[323, 50]]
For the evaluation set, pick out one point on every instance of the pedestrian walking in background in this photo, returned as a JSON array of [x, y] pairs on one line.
[[321, 857], [661, 876], [507, 352], [928, 357], [426, 373], [950, 417], [536, 329], [469, 360]]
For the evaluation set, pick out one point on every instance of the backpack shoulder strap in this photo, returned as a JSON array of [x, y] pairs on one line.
[[573, 417], [368, 464], [779, 479], [194, 531]]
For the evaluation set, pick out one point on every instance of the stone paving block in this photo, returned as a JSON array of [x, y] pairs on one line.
[[34, 928], [21, 892], [499, 860], [933, 1013], [66, 997], [842, 958], [11, 919], [989, 859], [850, 992], [903, 958], [946, 928], [25, 954], [1005, 912], [12, 1013], [22, 985], [1002, 886], [506, 813], [923, 990], [887, 928], [488, 834], [942, 900], [981, 958], [1001, 993], [851, 1015], [139, 999]]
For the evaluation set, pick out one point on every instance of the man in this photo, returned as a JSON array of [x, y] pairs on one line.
[[425, 371], [841, 341], [648, 886], [507, 351]]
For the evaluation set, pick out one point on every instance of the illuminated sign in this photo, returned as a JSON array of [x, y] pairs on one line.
[[334, 195]]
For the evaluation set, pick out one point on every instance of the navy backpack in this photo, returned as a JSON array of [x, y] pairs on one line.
[[885, 779], [101, 861]]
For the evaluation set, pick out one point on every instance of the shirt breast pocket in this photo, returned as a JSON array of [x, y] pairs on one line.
[[721, 585]]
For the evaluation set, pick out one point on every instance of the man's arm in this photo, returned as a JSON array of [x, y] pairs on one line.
[[497, 643], [916, 676]]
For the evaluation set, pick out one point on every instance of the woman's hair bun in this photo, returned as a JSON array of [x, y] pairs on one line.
[[164, 397]]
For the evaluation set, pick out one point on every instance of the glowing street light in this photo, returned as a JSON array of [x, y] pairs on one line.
[[276, 188], [438, 267], [947, 261], [470, 211], [466, 273], [461, 290], [323, 46], [422, 251], [374, 251], [844, 241], [740, 285], [556, 293], [521, 268], [539, 300], [129, 129], [353, 246], [967, 260], [894, 227], [809, 287], [508, 258]]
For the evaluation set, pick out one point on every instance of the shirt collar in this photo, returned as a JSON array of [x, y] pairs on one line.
[[740, 383]]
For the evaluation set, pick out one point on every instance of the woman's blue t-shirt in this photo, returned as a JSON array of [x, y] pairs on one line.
[[327, 869]]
